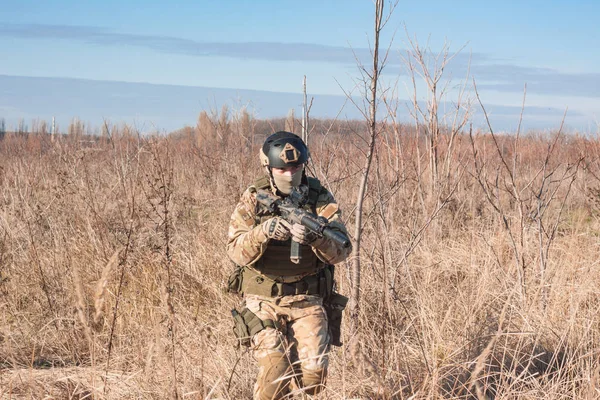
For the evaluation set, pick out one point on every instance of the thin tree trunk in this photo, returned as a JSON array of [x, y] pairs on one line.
[[372, 125]]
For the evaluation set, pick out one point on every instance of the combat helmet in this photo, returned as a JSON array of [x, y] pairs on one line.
[[283, 149]]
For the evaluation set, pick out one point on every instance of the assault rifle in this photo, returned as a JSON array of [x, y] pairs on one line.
[[290, 209]]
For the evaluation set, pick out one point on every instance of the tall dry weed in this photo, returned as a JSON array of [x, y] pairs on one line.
[[100, 292], [126, 235]]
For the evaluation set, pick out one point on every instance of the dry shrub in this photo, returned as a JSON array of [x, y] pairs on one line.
[[112, 265]]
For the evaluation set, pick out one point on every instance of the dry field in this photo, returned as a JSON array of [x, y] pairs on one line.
[[481, 281]]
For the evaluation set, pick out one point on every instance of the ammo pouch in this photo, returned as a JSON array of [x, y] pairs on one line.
[[247, 324], [334, 306], [319, 284], [246, 280]]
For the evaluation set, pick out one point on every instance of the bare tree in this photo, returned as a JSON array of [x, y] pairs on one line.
[[22, 128], [531, 198], [369, 81], [306, 106], [290, 121], [421, 62]]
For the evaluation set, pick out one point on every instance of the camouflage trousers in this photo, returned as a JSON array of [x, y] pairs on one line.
[[295, 354]]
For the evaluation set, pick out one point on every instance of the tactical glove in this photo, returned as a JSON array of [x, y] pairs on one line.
[[303, 235], [276, 228]]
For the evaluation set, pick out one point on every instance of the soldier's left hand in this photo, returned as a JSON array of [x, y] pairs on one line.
[[303, 235]]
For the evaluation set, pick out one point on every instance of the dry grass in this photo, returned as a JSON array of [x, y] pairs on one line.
[[112, 267]]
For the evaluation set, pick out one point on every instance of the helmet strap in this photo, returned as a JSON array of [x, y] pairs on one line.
[[272, 181]]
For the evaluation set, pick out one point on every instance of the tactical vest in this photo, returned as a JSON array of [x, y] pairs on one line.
[[275, 262], [267, 277]]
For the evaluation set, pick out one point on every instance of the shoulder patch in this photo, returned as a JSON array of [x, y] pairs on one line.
[[329, 210]]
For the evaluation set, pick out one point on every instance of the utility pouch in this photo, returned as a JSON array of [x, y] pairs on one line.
[[234, 282], [247, 324], [334, 306]]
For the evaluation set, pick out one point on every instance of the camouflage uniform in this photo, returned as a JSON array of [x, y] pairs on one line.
[[296, 352]]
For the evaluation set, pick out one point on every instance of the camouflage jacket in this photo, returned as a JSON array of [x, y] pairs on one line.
[[247, 241]]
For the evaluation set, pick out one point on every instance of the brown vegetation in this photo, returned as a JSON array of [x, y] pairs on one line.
[[482, 285]]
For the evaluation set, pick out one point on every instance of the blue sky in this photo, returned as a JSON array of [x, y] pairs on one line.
[[257, 49]]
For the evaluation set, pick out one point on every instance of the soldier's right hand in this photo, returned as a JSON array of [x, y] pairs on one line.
[[276, 228]]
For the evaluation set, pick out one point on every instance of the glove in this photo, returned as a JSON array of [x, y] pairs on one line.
[[276, 228], [303, 235]]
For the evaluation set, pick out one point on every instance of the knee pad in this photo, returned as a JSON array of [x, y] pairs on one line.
[[313, 381], [273, 377]]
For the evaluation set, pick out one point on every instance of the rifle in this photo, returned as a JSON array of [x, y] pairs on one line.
[[290, 209]]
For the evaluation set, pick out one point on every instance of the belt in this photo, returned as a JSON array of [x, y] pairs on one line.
[[258, 284]]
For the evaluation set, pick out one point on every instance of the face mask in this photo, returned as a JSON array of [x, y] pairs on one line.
[[285, 183]]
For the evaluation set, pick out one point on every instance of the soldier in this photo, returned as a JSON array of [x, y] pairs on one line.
[[290, 314]]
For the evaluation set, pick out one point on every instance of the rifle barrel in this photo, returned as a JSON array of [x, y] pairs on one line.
[[336, 237]]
